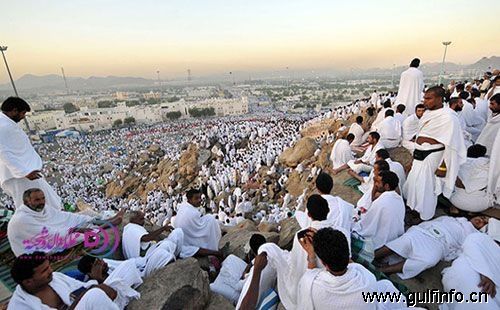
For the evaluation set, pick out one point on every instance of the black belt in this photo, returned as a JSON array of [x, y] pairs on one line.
[[421, 155]]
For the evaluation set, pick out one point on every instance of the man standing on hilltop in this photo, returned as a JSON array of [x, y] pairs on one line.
[[411, 86], [439, 152], [20, 164]]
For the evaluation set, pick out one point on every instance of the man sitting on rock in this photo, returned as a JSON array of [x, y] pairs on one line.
[[138, 242], [472, 182], [365, 163], [424, 245], [235, 275], [390, 130], [384, 220], [41, 288], [33, 219], [199, 231], [341, 153], [340, 213]]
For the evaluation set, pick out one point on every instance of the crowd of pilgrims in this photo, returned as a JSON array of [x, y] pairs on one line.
[[341, 249]]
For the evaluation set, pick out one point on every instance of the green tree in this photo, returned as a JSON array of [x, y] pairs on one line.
[[173, 99], [70, 108], [129, 120], [174, 115], [153, 101], [203, 112], [117, 123], [132, 103], [106, 104]]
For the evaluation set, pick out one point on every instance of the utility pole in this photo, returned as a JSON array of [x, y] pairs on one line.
[[65, 82], [3, 49], [445, 43]]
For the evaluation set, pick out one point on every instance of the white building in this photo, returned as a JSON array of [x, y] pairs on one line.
[[222, 107], [42, 121]]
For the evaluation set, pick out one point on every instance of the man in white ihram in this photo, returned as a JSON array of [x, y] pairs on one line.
[[476, 270], [20, 164], [200, 231], [389, 130], [439, 152], [411, 86]]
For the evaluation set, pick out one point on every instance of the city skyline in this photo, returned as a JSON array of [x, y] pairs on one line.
[[127, 38]]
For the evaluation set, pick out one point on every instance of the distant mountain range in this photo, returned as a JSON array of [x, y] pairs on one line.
[[55, 82]]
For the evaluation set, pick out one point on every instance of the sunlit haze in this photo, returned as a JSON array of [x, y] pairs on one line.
[[136, 38]]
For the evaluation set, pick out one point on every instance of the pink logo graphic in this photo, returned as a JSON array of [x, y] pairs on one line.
[[98, 242]]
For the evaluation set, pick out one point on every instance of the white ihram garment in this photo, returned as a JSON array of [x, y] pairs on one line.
[[200, 231], [17, 159], [422, 185], [341, 153], [410, 89], [480, 256], [424, 245]]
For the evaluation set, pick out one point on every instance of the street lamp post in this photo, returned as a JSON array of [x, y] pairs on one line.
[[3, 49], [445, 43]]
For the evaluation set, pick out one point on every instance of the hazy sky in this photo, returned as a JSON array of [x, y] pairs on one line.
[[125, 37]]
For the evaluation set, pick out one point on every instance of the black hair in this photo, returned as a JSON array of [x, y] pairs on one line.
[[475, 93], [415, 63], [383, 153], [317, 207], [24, 266], [85, 264], [15, 103], [476, 151], [350, 137], [459, 87], [496, 98], [382, 165], [463, 95], [332, 248], [324, 183], [437, 91], [419, 106], [190, 193], [359, 119], [387, 103], [454, 101], [374, 135], [389, 112], [390, 178], [370, 111], [256, 241], [401, 108]]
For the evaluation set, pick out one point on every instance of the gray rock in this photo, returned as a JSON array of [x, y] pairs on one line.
[[218, 302], [180, 285], [289, 227], [239, 238]]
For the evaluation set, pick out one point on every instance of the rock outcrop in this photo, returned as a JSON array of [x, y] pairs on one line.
[[180, 285], [302, 150]]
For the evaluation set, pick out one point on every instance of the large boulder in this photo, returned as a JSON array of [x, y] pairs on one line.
[[188, 164], [303, 149], [180, 285], [289, 227], [239, 238]]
